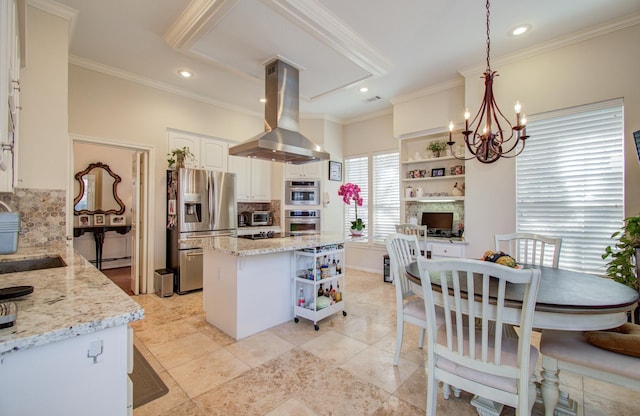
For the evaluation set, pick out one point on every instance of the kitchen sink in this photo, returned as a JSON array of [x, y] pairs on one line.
[[24, 265]]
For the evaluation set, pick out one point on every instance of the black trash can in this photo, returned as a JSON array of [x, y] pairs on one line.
[[386, 269]]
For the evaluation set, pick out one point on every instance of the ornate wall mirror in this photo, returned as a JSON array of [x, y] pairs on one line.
[[97, 191]]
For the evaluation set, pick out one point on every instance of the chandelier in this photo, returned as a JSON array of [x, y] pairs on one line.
[[490, 135]]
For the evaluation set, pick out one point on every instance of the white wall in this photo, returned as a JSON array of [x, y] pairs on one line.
[[110, 108], [598, 69]]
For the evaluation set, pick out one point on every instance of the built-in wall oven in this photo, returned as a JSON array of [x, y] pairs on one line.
[[301, 221], [302, 192]]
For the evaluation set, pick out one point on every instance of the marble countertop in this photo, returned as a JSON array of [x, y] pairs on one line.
[[245, 247], [66, 301]]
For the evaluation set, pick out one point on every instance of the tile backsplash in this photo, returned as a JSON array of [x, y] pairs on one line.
[[415, 210], [42, 215], [273, 206]]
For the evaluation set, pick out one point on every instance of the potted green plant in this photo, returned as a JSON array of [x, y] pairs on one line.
[[437, 147], [177, 156], [625, 253]]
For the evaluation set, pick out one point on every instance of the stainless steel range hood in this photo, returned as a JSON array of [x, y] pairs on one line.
[[281, 141]]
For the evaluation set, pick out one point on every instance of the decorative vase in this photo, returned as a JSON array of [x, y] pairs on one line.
[[356, 233]]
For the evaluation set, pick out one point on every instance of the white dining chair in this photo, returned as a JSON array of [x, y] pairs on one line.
[[418, 230], [529, 248], [409, 307], [466, 351]]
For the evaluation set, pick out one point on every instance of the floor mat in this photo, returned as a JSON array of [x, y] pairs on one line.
[[147, 385]]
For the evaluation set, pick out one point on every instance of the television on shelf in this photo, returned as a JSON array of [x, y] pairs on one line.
[[636, 139], [437, 220]]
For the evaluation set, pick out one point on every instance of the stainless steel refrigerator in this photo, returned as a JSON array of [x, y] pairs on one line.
[[200, 204]]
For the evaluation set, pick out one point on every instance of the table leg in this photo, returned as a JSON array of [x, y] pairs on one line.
[[99, 237]]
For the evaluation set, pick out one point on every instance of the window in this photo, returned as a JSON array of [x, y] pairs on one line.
[[386, 194], [382, 211], [570, 181], [357, 172]]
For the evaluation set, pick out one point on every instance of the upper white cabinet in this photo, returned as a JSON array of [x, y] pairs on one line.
[[208, 153], [307, 170], [253, 179], [10, 56]]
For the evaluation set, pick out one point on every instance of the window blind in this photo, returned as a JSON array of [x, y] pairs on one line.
[[386, 195], [357, 172], [570, 181]]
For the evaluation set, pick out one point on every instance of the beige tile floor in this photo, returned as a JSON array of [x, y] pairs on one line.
[[345, 368]]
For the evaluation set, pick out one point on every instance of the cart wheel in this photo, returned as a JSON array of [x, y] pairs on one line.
[[296, 320], [344, 313], [316, 327]]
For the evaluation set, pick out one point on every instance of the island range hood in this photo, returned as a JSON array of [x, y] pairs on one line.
[[281, 141]]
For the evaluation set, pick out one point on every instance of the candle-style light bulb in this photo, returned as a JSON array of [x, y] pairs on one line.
[[467, 114], [523, 119], [517, 107], [450, 130]]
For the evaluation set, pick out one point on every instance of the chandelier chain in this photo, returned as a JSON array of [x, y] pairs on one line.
[[488, 38]]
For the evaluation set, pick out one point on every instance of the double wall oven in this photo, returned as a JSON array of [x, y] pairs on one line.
[[301, 221], [302, 192]]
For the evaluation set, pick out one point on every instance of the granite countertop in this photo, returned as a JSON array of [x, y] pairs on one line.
[[245, 247], [66, 301]]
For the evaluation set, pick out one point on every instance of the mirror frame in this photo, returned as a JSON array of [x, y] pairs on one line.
[[116, 181]]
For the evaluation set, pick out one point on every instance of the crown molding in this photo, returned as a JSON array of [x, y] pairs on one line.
[[197, 19], [318, 21], [128, 76], [443, 86], [571, 39], [387, 111]]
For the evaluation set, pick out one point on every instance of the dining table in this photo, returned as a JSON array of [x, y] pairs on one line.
[[567, 300]]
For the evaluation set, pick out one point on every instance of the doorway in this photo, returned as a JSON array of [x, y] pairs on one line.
[[130, 254]]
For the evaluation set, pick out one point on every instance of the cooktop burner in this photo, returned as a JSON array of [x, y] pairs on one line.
[[261, 235]]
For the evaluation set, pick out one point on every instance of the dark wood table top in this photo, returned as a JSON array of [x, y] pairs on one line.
[[564, 289]]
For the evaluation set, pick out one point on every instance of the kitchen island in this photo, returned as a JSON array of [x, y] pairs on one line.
[[68, 351], [247, 284]]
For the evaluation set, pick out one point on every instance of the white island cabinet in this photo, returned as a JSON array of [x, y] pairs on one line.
[[247, 284]]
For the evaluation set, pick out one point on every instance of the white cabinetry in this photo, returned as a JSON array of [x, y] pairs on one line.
[[62, 378], [440, 249], [253, 179], [317, 270], [209, 153], [306, 170], [10, 55]]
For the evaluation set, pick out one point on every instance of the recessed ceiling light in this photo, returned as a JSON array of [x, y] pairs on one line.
[[185, 73], [364, 89], [519, 30]]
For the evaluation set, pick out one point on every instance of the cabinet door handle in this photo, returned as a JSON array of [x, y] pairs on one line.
[[194, 254]]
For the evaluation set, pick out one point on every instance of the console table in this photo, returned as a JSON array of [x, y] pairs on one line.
[[98, 235]]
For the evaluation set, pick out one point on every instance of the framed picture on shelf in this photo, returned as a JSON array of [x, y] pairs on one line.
[[84, 221], [98, 219], [437, 172], [335, 171], [116, 220]]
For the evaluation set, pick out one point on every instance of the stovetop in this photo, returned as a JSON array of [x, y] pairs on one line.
[[262, 235]]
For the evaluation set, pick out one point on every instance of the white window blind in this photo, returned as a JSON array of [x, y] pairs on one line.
[[570, 181], [357, 172], [386, 195]]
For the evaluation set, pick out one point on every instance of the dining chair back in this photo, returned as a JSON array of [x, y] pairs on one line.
[[466, 351], [409, 308], [529, 248], [418, 230]]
